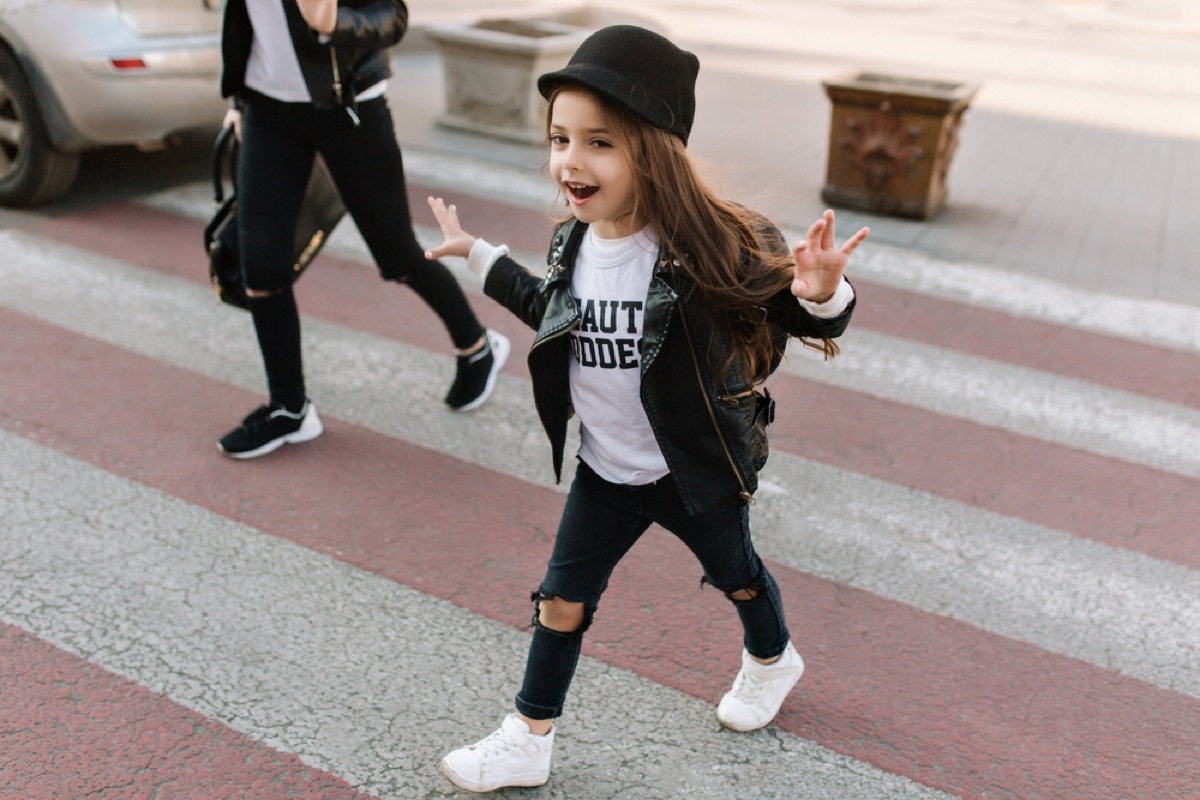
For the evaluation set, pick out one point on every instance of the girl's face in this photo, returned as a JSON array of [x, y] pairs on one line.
[[592, 172]]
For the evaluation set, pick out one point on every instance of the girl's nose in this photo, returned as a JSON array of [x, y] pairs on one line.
[[570, 162]]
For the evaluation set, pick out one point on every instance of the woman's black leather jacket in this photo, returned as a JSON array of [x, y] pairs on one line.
[[354, 58], [710, 423]]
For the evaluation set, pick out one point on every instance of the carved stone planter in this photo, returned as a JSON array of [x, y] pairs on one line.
[[491, 70], [891, 139]]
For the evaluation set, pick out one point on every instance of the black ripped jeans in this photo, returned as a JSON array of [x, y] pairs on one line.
[[279, 141], [600, 523]]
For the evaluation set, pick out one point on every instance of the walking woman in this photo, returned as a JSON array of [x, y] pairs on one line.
[[308, 77]]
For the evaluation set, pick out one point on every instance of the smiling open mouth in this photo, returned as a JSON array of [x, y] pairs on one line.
[[581, 191]]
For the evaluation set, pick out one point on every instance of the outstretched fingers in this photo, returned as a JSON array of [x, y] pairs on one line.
[[455, 240], [854, 241], [827, 239], [821, 236], [446, 216], [815, 235]]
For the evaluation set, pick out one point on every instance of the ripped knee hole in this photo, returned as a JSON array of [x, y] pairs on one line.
[[559, 615], [736, 595]]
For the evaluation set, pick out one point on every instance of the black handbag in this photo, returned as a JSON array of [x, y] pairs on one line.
[[320, 212]]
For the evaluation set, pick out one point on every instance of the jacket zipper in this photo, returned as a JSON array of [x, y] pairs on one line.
[[541, 340], [555, 271], [337, 86], [746, 496]]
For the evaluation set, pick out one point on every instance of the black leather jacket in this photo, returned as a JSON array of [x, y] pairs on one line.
[[710, 424], [354, 58]]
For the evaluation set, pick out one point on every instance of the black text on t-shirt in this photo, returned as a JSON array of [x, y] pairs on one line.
[[610, 319]]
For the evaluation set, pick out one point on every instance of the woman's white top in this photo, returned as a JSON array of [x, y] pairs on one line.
[[273, 68]]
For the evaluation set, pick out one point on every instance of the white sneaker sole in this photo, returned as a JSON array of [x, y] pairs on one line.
[[529, 779], [310, 429], [500, 349]]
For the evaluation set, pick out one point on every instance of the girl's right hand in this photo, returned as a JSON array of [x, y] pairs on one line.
[[233, 118], [455, 241]]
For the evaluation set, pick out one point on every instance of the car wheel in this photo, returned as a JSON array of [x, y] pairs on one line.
[[31, 170]]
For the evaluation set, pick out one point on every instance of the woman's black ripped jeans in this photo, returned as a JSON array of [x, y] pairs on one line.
[[600, 523], [279, 141]]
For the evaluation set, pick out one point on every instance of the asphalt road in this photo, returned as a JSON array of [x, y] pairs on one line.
[[982, 516]]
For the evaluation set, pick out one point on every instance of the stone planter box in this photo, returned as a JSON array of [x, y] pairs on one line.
[[491, 70], [891, 140]]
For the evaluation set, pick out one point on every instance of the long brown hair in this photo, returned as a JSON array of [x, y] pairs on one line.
[[721, 246]]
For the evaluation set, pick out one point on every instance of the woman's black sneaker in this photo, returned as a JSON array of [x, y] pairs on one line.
[[269, 428], [476, 373]]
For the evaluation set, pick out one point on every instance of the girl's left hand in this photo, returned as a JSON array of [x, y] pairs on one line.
[[820, 265], [321, 15]]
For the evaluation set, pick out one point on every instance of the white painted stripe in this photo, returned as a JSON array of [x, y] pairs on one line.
[[1170, 325], [358, 675], [1030, 402], [1109, 607], [972, 565]]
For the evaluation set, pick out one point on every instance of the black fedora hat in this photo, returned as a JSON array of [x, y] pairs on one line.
[[640, 71]]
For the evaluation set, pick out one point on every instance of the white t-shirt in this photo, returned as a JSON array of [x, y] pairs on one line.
[[610, 281]]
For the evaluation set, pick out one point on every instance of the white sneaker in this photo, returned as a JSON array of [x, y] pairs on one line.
[[759, 691], [512, 756]]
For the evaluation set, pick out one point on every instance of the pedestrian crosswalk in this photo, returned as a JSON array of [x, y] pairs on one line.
[[989, 567]]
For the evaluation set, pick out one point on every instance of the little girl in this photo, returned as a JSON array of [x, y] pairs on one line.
[[662, 308]]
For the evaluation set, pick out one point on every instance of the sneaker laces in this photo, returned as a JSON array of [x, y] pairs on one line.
[[748, 687], [257, 415], [264, 414], [497, 743]]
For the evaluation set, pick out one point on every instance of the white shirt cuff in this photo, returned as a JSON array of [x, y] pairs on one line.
[[483, 255], [834, 306]]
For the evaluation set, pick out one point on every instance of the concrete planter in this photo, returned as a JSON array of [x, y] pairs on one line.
[[891, 140], [491, 71]]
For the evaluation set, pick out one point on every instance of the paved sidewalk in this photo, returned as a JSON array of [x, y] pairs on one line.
[[1079, 161]]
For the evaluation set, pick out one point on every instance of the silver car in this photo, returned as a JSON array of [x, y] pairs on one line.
[[79, 74]]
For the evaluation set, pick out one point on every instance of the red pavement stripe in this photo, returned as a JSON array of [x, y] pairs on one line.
[[68, 729], [918, 694], [1104, 499]]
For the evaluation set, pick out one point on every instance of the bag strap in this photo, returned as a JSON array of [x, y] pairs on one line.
[[225, 148]]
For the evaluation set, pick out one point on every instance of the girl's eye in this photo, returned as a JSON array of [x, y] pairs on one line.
[[601, 143], [557, 138]]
